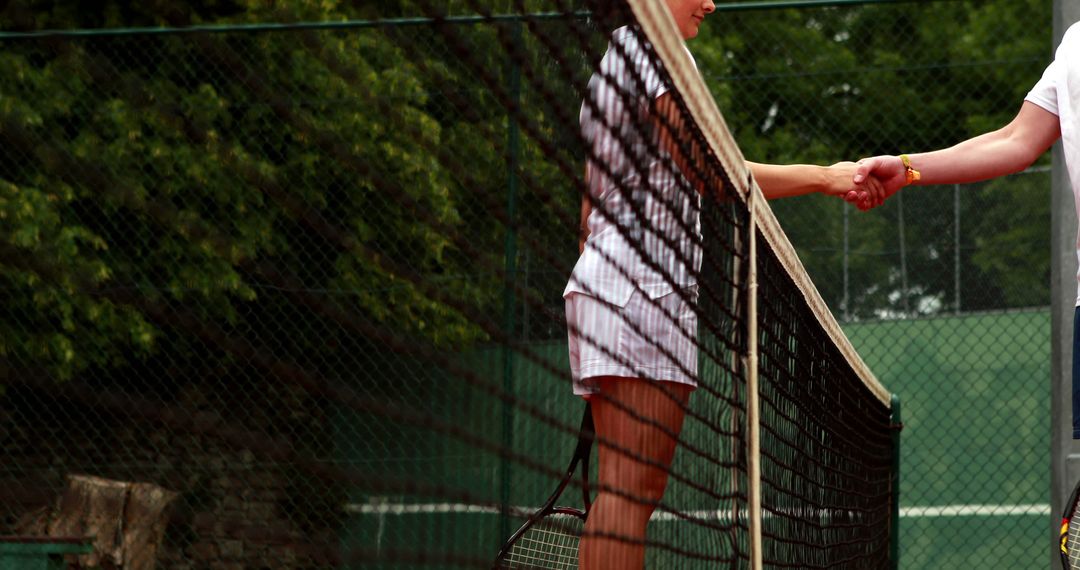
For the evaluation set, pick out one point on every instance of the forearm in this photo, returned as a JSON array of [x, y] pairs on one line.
[[981, 158], [1009, 149], [782, 181]]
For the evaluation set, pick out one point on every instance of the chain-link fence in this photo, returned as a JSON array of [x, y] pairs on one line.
[[193, 243], [945, 290]]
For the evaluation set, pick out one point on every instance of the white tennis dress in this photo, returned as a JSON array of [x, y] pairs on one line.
[[625, 318]]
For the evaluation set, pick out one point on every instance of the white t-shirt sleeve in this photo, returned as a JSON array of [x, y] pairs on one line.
[[631, 63], [1044, 94], [1046, 91]]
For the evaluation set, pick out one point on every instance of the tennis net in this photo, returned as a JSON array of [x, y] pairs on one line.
[[490, 420]]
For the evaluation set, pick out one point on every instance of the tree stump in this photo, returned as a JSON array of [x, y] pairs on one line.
[[145, 520], [126, 520]]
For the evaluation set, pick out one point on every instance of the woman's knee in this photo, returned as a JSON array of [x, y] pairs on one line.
[[627, 511], [651, 485], [639, 483]]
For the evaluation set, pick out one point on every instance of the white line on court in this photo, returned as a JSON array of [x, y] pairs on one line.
[[935, 511], [974, 510]]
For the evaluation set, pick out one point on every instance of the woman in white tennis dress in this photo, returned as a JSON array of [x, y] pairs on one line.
[[631, 317]]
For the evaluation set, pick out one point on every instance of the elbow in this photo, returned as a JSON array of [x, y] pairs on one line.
[[1026, 156], [1024, 151], [1027, 163], [1022, 147]]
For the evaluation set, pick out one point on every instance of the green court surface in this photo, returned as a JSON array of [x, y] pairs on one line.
[[975, 446], [974, 481], [385, 519]]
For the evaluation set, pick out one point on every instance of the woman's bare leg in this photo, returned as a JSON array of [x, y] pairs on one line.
[[642, 485]]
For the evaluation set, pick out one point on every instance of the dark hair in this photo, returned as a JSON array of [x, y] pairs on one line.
[[609, 15]]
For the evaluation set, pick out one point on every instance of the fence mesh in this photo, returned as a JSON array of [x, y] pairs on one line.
[[146, 179]]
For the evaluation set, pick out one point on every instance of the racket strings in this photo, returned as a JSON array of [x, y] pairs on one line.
[[552, 543]]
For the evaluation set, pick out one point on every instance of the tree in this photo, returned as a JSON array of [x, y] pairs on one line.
[[828, 84], [179, 170]]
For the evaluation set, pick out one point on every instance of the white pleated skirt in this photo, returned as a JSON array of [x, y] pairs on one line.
[[651, 339]]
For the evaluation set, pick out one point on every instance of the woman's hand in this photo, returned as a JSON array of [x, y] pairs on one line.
[[840, 182]]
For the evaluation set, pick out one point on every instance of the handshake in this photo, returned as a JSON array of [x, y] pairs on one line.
[[866, 184]]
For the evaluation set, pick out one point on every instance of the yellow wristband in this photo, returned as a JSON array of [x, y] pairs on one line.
[[910, 175]]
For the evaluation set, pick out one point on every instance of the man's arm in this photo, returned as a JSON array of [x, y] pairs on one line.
[[1007, 150]]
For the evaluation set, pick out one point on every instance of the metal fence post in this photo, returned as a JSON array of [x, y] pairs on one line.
[[894, 538], [956, 246], [1064, 451], [513, 143]]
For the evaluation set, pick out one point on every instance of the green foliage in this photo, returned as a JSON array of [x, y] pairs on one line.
[[240, 179], [141, 172], [1003, 250]]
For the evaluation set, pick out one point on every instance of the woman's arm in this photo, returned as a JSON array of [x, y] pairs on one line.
[[672, 130], [782, 181], [586, 209], [776, 181]]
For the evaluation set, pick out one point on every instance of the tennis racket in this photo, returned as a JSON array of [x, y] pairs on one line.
[[549, 539], [1070, 532]]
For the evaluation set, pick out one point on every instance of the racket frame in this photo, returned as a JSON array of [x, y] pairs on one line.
[[586, 435], [1067, 522]]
